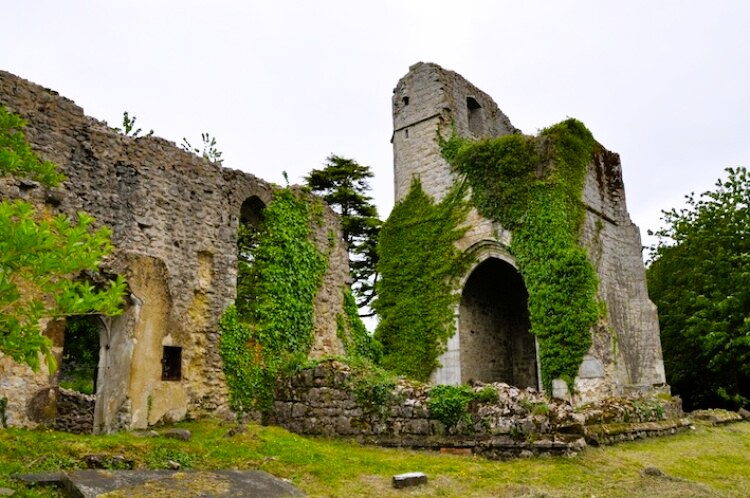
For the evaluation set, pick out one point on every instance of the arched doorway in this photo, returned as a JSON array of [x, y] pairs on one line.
[[495, 342]]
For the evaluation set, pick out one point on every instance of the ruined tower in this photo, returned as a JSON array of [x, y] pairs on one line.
[[492, 340]]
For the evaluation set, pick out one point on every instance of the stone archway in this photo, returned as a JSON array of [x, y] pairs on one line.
[[493, 324]]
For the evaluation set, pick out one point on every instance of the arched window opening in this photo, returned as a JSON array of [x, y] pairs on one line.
[[496, 345], [251, 222], [476, 119]]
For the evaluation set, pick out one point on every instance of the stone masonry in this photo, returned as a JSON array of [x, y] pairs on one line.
[[174, 219], [492, 342], [513, 422]]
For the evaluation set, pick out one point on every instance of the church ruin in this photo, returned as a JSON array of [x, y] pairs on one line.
[[492, 342], [174, 220]]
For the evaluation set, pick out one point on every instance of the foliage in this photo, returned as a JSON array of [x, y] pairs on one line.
[[209, 151], [699, 279], [372, 385], [358, 343], [285, 275], [419, 268], [487, 394], [533, 186], [707, 461], [17, 158], [450, 404], [40, 253], [128, 127], [343, 184]]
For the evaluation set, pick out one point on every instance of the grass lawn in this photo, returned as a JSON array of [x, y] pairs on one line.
[[710, 461]]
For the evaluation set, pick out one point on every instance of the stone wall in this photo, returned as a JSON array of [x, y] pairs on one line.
[[518, 422], [626, 353], [174, 219]]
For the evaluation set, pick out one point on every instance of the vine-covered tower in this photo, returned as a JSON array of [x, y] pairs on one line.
[[492, 342]]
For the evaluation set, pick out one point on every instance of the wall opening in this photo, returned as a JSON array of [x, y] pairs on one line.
[[476, 119], [251, 221], [80, 357], [495, 342], [171, 363], [405, 100]]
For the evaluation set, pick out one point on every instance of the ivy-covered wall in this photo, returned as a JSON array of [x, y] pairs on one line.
[[419, 268], [551, 206], [533, 186]]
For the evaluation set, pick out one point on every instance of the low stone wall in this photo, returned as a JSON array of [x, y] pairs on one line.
[[75, 412], [63, 410], [517, 422]]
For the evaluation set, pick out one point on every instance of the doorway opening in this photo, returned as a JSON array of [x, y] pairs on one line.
[[494, 328]]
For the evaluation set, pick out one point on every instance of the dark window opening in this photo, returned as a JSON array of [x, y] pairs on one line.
[[406, 133], [476, 119], [405, 100], [171, 363]]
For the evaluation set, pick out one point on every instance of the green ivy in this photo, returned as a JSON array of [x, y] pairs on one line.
[[419, 267], [284, 272], [358, 343], [533, 186]]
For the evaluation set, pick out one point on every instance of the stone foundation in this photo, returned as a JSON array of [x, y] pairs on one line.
[[520, 422]]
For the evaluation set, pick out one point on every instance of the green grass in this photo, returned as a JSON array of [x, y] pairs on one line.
[[706, 462]]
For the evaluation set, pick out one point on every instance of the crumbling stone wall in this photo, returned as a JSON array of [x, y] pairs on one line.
[[519, 422], [174, 219], [626, 352]]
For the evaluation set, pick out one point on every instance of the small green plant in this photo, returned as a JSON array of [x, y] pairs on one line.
[[128, 127], [487, 394], [449, 404], [160, 457], [372, 386], [209, 151]]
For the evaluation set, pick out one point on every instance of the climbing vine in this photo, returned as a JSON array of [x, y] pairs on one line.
[[358, 343], [533, 186], [419, 267], [284, 272]]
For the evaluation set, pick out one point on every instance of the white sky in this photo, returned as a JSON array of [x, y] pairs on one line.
[[282, 84]]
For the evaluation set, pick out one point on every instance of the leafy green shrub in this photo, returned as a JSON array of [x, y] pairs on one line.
[[449, 404]]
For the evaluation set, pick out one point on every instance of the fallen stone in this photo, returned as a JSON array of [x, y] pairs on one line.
[[409, 479], [173, 465], [6, 492], [181, 434], [215, 484], [41, 478], [653, 472], [745, 414]]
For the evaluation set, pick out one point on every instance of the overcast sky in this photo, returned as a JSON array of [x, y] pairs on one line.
[[282, 84]]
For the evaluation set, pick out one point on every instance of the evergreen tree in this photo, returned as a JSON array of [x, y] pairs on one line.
[[41, 254], [343, 184]]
